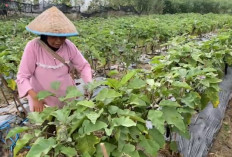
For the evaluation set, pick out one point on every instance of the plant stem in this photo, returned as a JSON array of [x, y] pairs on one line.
[[13, 93], [4, 96]]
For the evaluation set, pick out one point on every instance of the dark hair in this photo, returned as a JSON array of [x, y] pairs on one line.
[[44, 39]]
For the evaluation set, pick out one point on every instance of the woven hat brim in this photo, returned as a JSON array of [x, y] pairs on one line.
[[52, 34]]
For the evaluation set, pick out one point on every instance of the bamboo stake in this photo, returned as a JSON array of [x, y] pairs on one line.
[[103, 148]]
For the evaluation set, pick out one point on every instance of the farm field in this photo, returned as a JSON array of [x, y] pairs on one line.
[[144, 98]]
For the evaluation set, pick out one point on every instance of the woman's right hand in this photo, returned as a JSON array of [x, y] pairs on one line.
[[38, 105]]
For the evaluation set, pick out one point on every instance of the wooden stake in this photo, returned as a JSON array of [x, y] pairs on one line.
[[103, 148]]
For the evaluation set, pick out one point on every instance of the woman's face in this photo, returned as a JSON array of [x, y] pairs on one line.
[[55, 42]]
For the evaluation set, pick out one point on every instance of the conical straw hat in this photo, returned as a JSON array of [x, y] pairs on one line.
[[52, 22]]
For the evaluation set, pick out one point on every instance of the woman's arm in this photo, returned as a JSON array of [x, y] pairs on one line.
[[25, 72], [81, 64]]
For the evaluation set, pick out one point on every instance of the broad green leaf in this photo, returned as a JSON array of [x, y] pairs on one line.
[[121, 135], [171, 115], [107, 96], [87, 144], [22, 142], [36, 118], [157, 136], [127, 77], [62, 115], [212, 94], [71, 92], [136, 83], [149, 146], [196, 56], [55, 85], [123, 121], [181, 85], [113, 83], [113, 109], [86, 103], [169, 103], [94, 84], [93, 116], [137, 102], [41, 147], [44, 94], [191, 99], [76, 123], [157, 120], [88, 127], [68, 151], [16, 130]]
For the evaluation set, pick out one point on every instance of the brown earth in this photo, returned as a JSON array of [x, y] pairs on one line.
[[222, 146]]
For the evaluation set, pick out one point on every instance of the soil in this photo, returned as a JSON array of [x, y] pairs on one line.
[[222, 146]]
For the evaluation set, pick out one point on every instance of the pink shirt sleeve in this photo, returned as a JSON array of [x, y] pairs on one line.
[[26, 70], [81, 64]]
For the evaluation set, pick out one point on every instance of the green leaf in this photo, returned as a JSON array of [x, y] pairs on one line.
[[181, 85], [55, 85], [127, 77], [86, 103], [157, 120], [68, 151], [41, 147], [113, 109], [71, 92], [149, 146], [137, 102], [169, 103], [112, 73], [87, 144], [94, 84], [107, 96], [88, 127], [44, 94], [36, 118], [93, 116], [113, 83], [62, 115], [157, 136], [22, 142], [191, 99], [171, 115], [123, 121], [16, 130], [137, 84]]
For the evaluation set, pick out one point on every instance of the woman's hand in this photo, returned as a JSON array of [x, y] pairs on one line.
[[38, 105]]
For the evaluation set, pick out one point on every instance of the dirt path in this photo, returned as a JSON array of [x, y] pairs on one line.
[[222, 146]]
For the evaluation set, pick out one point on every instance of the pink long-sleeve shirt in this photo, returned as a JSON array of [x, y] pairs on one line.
[[38, 69]]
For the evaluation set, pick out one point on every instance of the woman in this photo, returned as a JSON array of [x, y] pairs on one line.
[[38, 68]]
